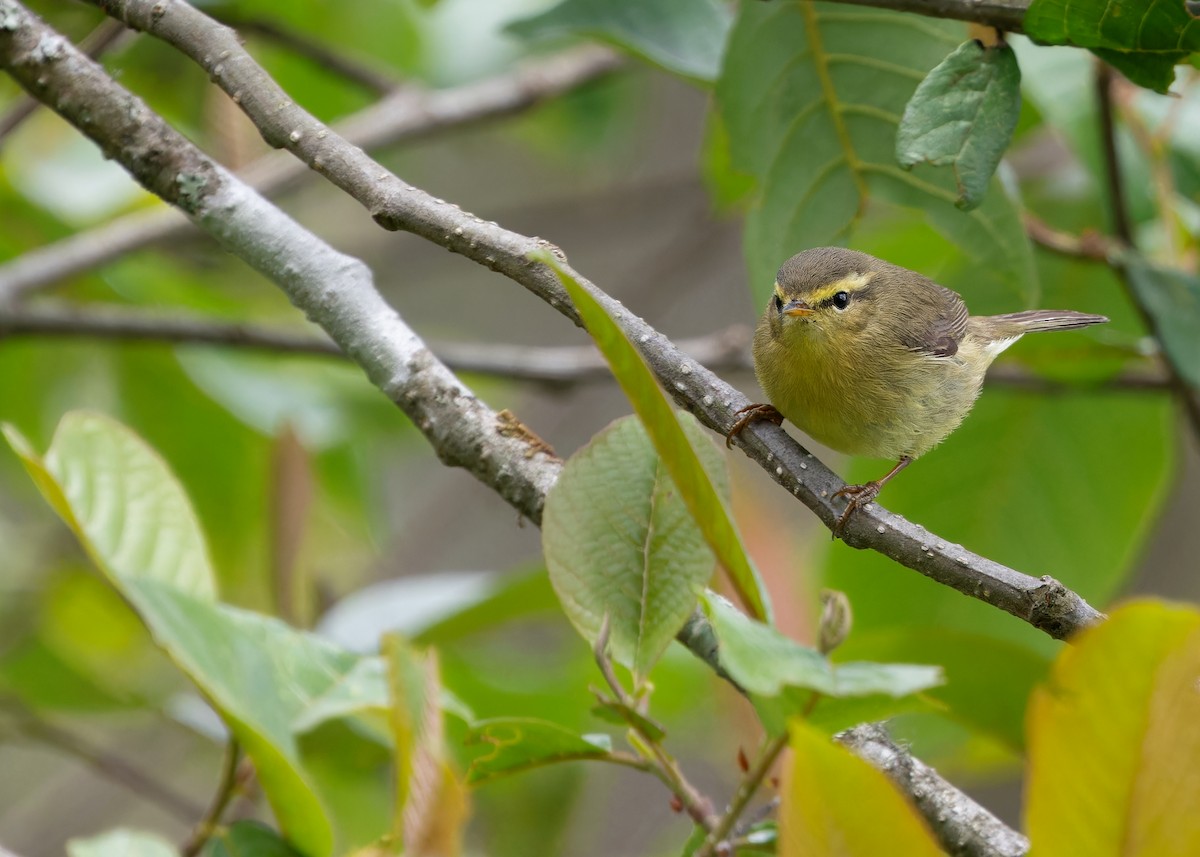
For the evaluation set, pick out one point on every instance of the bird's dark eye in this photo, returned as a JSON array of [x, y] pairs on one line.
[[778, 303], [841, 300]]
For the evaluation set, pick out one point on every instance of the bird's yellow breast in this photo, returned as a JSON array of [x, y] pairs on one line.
[[864, 393]]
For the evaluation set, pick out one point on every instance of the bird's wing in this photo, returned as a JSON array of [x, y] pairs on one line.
[[938, 322]]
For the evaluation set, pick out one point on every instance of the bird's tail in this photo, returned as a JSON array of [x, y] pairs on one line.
[[1014, 324]]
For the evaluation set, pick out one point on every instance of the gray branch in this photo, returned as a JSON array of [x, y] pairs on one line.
[[963, 827], [1043, 602], [554, 366], [1006, 15], [409, 113], [334, 290]]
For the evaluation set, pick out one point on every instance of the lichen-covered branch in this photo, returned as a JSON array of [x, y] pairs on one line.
[[963, 827]]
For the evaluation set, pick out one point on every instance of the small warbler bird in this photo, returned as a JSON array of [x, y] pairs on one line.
[[876, 360]]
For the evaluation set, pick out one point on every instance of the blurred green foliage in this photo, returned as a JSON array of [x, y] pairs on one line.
[[800, 138]]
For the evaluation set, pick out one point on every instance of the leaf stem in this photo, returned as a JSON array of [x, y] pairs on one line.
[[746, 790], [660, 763], [227, 787]]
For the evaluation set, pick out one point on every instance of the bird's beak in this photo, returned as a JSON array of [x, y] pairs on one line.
[[796, 308]]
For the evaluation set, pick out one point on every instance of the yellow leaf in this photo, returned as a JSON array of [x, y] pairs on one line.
[[836, 805], [1114, 740]]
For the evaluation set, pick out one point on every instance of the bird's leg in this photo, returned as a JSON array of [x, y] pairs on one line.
[[861, 495], [750, 414]]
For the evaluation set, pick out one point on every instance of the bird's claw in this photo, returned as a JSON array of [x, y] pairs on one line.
[[859, 497], [750, 414]]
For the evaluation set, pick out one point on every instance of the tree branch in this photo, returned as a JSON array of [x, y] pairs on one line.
[[963, 827], [351, 69], [1189, 397], [335, 290], [1006, 15], [108, 34], [1043, 602], [108, 765], [407, 114], [555, 367]]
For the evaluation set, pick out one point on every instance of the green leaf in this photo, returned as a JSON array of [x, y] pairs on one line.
[[265, 678], [123, 503], [1113, 742], [812, 96], [248, 839], [520, 743], [836, 805], [678, 455], [963, 115], [765, 662], [1144, 39], [122, 842], [685, 37], [619, 541], [1172, 299]]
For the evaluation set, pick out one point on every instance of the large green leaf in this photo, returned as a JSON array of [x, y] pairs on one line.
[[619, 541], [1113, 744], [963, 115], [1145, 39], [682, 36], [812, 95], [520, 743], [121, 500], [264, 678], [679, 457]]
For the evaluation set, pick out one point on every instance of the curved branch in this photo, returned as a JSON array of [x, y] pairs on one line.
[[1042, 602]]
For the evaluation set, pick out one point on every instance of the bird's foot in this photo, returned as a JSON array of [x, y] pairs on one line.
[[751, 414], [858, 496]]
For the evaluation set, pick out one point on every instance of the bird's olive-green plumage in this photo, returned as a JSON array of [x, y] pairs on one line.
[[873, 359]]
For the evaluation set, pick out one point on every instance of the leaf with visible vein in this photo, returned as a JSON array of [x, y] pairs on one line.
[[812, 95], [650, 403], [963, 115]]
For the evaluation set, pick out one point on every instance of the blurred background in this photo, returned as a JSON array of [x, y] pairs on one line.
[[322, 505]]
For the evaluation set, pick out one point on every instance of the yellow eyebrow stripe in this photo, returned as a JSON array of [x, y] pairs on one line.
[[852, 283]]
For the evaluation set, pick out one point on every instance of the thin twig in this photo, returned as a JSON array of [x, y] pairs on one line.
[[1189, 397], [746, 790], [226, 791], [554, 366], [350, 68], [1090, 245], [698, 807], [108, 765], [1005, 15], [407, 114]]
